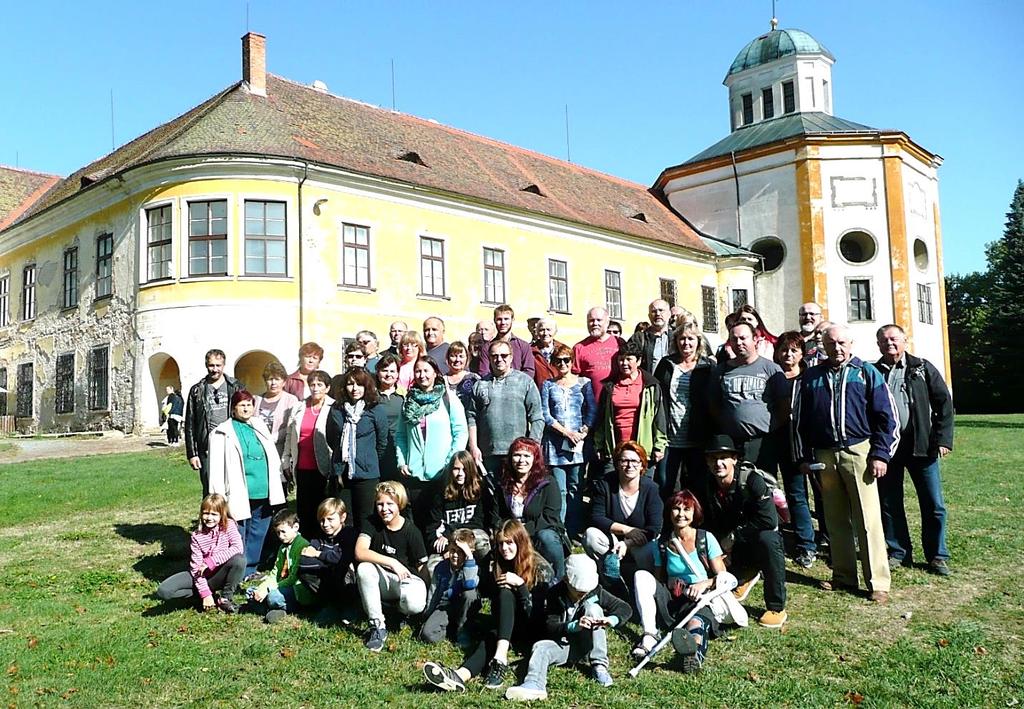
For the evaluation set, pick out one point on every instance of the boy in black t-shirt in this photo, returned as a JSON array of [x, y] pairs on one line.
[[390, 557]]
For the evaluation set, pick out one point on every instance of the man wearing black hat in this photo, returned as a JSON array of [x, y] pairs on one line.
[[741, 514]]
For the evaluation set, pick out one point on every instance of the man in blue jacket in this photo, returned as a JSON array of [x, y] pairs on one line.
[[845, 419], [925, 410]]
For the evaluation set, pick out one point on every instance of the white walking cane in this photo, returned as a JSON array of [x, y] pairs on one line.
[[724, 583]]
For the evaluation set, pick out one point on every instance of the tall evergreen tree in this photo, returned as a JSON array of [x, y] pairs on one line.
[[970, 345], [1006, 300]]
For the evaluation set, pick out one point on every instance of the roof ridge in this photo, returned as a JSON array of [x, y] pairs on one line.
[[206, 106], [476, 136], [29, 172]]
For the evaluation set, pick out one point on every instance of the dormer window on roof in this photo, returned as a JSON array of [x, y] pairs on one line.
[[640, 217], [533, 189]]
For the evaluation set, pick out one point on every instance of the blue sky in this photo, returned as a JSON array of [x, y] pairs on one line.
[[642, 81]]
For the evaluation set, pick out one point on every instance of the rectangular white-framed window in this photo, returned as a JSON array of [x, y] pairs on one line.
[[788, 97], [159, 247], [748, 108], [28, 292], [266, 238], [70, 290], [99, 378], [432, 281], [859, 304], [613, 294], [208, 238], [26, 378], [64, 399], [668, 291], [558, 286], [768, 102], [709, 308], [5, 300], [104, 266], [740, 297], [494, 276], [355, 255], [924, 304]]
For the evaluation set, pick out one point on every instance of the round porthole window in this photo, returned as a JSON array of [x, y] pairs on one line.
[[921, 255], [771, 251], [857, 246]]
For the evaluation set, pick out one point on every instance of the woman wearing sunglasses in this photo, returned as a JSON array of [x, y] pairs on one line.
[[570, 409]]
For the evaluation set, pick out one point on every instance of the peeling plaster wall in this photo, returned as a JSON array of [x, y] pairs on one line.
[[90, 323]]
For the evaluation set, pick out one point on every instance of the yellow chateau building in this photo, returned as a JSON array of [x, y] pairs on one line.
[[275, 213]]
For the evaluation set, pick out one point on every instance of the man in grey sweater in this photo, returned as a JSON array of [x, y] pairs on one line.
[[505, 405], [744, 392]]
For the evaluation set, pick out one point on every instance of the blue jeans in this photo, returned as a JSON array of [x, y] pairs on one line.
[[591, 645], [568, 478], [549, 545], [795, 484], [924, 472], [282, 599], [254, 531]]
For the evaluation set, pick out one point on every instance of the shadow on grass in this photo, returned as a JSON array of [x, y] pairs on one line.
[[173, 555], [793, 577], [986, 423]]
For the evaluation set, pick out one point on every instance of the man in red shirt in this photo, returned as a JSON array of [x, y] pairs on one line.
[[595, 356]]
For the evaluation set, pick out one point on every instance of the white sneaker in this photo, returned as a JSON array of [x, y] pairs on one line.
[[525, 693]]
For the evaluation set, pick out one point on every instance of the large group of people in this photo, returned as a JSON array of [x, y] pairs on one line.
[[571, 487]]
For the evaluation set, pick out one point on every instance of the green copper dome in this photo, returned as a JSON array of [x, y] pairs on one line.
[[775, 44]]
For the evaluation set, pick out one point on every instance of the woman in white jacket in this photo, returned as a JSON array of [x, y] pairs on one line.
[[307, 456], [245, 468]]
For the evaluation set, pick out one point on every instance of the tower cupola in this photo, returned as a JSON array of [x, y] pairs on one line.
[[781, 72]]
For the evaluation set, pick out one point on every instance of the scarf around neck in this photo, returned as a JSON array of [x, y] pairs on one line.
[[419, 404], [352, 414]]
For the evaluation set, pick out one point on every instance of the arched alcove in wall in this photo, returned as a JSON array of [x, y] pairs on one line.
[[164, 372], [249, 369]]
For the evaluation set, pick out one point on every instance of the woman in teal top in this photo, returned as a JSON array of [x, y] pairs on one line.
[[689, 562], [246, 468]]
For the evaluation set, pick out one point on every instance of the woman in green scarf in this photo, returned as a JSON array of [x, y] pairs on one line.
[[431, 429]]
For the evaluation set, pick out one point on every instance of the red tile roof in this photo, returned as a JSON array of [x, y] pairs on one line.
[[297, 121], [19, 189]]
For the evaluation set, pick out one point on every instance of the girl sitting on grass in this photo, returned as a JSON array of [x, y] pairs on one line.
[[216, 563], [390, 558], [465, 502], [515, 575]]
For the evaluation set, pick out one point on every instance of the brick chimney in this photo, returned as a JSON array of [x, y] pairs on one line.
[[254, 63]]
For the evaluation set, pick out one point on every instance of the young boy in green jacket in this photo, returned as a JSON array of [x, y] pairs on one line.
[[284, 591]]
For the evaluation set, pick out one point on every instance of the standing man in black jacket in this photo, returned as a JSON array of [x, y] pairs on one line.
[[925, 410], [208, 406], [741, 514]]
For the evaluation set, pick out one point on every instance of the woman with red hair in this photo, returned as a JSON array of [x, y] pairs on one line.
[[689, 561], [531, 495]]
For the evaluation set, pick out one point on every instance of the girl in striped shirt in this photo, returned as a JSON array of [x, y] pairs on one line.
[[217, 560]]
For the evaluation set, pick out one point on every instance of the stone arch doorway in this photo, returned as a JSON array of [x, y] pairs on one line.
[[164, 372], [249, 369]]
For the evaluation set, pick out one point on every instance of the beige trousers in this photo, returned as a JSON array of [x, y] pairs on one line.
[[852, 507]]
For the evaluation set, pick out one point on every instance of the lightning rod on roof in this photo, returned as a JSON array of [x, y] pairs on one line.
[[568, 155], [394, 105], [774, 22], [112, 144]]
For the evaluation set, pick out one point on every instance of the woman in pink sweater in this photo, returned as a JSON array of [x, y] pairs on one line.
[[217, 560]]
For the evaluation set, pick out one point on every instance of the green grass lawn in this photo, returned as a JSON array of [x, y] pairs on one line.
[[84, 542]]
